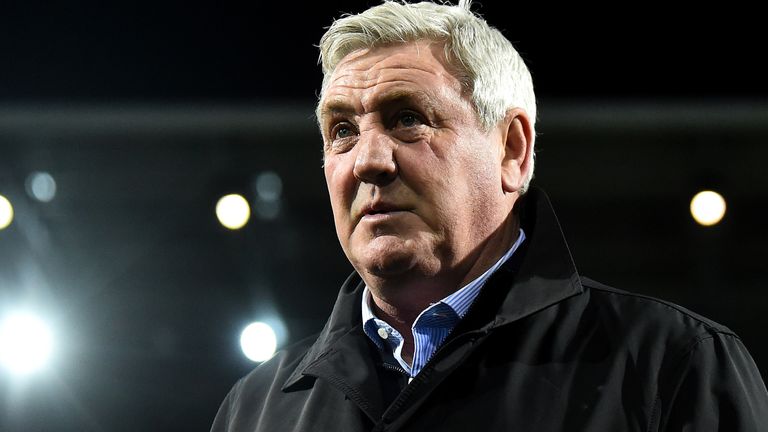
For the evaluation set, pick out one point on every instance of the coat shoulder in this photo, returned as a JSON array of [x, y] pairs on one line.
[[276, 370], [638, 314]]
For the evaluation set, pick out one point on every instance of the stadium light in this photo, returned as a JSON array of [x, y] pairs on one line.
[[708, 208], [26, 343], [6, 212], [258, 341], [233, 211]]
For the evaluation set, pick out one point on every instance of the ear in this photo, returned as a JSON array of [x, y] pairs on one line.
[[517, 134]]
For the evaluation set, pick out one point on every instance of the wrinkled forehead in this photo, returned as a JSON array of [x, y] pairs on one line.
[[420, 66]]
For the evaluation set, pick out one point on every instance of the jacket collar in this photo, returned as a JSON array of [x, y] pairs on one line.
[[344, 319], [543, 272], [539, 275]]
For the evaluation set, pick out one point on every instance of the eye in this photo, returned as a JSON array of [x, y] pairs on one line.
[[342, 130], [409, 119]]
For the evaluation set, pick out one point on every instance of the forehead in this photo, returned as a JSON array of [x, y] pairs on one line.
[[366, 76]]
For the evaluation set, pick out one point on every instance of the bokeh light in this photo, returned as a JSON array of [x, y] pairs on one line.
[[26, 343], [708, 208], [41, 186], [6, 212], [233, 211], [269, 186], [258, 341]]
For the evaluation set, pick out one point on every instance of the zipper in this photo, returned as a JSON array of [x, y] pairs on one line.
[[469, 336], [427, 369], [394, 368]]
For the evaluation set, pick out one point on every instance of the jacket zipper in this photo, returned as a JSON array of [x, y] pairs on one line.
[[392, 367], [472, 335], [427, 369]]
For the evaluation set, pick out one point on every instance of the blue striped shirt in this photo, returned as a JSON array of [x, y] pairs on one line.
[[433, 324]]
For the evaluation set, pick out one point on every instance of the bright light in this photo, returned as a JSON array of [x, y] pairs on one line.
[[6, 212], [707, 208], [258, 341], [25, 343], [41, 186], [233, 211]]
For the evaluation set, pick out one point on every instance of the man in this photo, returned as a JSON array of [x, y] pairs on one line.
[[465, 311]]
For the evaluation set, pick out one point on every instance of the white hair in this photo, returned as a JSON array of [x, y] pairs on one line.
[[488, 64]]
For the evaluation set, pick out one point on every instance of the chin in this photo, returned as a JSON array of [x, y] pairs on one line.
[[386, 266], [396, 264], [385, 258]]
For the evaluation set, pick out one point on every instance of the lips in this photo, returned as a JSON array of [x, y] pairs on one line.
[[379, 208]]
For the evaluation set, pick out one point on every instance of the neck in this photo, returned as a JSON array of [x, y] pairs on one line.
[[399, 302]]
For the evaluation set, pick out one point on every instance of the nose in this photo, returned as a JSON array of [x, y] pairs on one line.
[[375, 162]]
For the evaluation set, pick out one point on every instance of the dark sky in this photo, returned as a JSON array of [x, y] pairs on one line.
[[250, 51]]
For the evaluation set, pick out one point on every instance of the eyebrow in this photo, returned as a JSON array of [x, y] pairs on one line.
[[399, 96], [395, 96], [335, 107]]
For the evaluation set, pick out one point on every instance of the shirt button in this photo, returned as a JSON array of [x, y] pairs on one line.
[[383, 333]]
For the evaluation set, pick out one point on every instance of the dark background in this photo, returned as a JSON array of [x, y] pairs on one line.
[[146, 113]]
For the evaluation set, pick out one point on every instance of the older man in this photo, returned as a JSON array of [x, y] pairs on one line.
[[465, 310]]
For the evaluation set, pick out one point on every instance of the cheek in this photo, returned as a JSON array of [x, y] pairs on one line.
[[463, 185], [340, 183]]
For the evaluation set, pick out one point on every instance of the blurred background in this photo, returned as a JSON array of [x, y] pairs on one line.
[[124, 298]]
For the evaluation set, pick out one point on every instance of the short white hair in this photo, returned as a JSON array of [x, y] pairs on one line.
[[487, 62]]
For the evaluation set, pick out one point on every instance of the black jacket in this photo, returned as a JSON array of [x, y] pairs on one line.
[[541, 349]]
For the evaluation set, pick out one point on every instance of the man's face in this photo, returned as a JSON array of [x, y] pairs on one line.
[[414, 180]]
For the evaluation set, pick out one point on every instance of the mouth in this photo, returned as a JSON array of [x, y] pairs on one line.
[[379, 210]]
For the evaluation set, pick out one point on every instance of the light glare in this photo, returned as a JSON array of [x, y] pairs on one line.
[[26, 343], [258, 341], [233, 211], [41, 186], [269, 186], [6, 212], [708, 208]]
